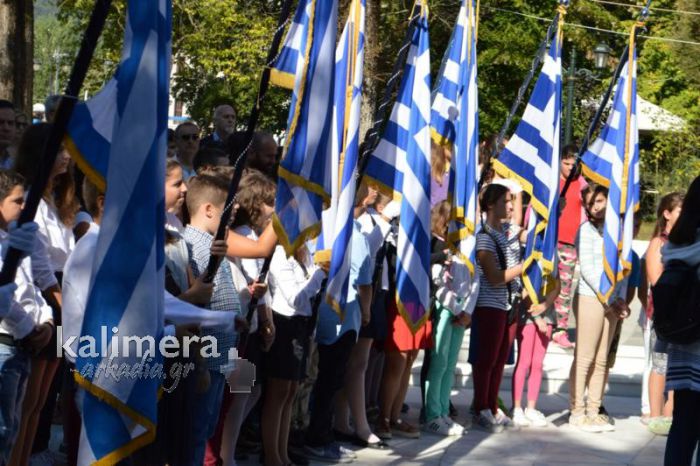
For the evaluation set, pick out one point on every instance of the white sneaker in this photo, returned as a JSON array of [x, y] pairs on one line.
[[455, 428], [520, 419], [584, 424], [505, 421], [535, 417], [486, 421], [437, 426]]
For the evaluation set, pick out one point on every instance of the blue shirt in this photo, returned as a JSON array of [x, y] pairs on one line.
[[329, 327], [635, 276]]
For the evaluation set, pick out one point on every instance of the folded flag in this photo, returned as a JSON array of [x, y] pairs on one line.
[[400, 166], [613, 160], [532, 157], [334, 243], [119, 411], [305, 168]]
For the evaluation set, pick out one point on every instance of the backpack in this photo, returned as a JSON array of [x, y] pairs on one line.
[[676, 298]]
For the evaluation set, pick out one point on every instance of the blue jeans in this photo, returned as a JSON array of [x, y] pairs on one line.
[[14, 372], [206, 407]]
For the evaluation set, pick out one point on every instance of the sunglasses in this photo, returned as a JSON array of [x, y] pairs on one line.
[[189, 137]]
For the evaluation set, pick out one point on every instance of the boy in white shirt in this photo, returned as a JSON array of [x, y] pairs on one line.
[[27, 321]]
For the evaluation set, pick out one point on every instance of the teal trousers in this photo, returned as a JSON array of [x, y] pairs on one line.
[[448, 341]]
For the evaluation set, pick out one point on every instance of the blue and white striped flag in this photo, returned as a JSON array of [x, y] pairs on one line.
[[334, 243], [400, 166], [290, 63], [455, 125], [120, 405], [305, 169], [532, 157], [613, 160]]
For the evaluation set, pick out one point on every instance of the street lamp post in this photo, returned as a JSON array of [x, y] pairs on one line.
[[601, 54]]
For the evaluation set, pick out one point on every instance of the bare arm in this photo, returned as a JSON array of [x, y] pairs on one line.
[[240, 246], [654, 266], [494, 274], [643, 291], [364, 293]]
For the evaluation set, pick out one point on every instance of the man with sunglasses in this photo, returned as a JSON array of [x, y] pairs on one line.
[[187, 144]]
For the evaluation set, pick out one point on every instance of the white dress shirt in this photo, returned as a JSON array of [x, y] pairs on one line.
[[28, 308]]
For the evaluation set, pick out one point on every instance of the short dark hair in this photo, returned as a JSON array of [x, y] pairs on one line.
[[6, 104], [9, 179], [208, 156], [183, 124], [205, 188], [570, 151], [490, 195]]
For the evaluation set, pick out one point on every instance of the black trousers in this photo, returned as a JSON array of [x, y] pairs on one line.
[[332, 365], [684, 437]]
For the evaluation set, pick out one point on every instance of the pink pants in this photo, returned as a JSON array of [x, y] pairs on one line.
[[532, 347]]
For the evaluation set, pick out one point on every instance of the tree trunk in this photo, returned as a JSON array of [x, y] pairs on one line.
[[371, 86], [17, 52]]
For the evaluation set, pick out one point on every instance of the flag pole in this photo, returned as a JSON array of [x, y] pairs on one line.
[[238, 159], [58, 129], [519, 98], [606, 98]]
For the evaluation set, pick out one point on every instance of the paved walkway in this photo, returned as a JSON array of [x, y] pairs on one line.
[[557, 444]]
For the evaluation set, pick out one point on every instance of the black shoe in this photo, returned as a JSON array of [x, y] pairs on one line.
[[380, 445], [404, 408], [297, 458]]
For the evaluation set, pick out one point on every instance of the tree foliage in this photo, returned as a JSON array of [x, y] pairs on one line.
[[220, 48]]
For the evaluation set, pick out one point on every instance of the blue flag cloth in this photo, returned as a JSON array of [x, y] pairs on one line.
[[532, 157], [120, 405], [334, 243], [305, 168], [400, 166], [613, 160], [455, 126]]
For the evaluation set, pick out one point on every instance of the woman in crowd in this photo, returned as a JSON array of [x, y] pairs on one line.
[[684, 360], [596, 318], [453, 304], [660, 408], [535, 325], [294, 281], [401, 348], [256, 200], [499, 265], [350, 399]]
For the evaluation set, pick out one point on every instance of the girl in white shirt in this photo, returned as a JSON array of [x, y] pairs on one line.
[[294, 282]]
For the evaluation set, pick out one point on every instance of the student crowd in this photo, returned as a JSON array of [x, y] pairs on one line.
[[322, 381]]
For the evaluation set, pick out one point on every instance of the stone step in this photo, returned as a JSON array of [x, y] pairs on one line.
[[625, 377]]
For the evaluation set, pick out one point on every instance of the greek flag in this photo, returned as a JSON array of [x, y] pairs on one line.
[[400, 166], [455, 124], [532, 157], [119, 409], [305, 169], [613, 160], [347, 97], [289, 65]]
